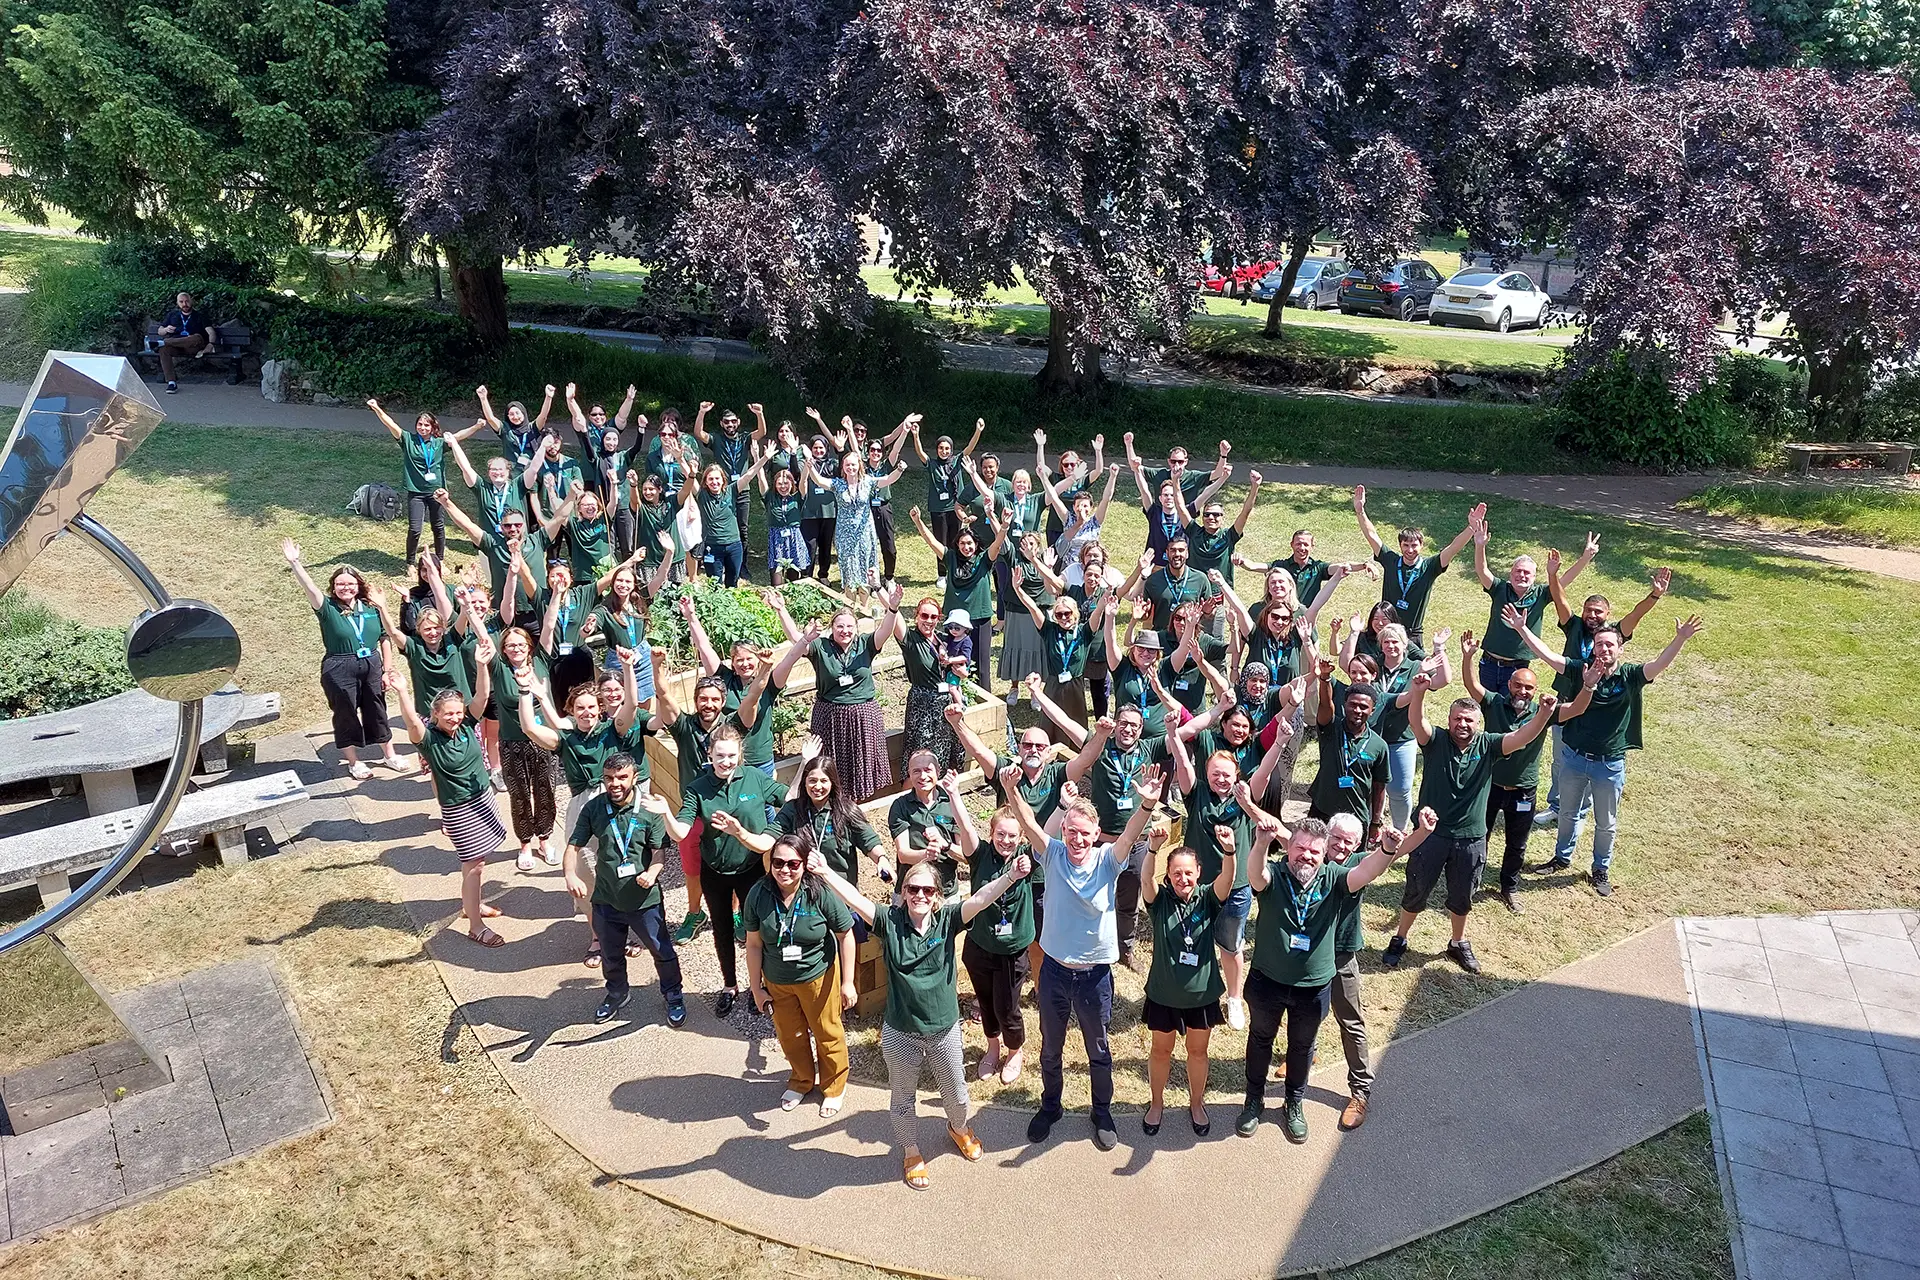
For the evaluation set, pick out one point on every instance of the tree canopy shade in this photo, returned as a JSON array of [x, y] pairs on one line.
[[1748, 192], [252, 123]]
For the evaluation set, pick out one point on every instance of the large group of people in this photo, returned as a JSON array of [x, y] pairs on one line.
[[1147, 815]]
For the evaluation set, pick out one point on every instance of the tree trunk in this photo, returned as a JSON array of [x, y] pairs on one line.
[[1073, 366], [1296, 254], [433, 257], [480, 292], [1839, 375]]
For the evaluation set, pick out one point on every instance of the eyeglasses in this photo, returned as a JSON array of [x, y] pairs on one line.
[[1215, 515], [787, 864], [923, 891]]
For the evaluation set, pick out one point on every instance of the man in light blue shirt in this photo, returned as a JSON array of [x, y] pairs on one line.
[[1080, 941]]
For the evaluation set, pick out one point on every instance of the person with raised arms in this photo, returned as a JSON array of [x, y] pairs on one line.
[[1110, 761], [1455, 778], [624, 825], [1597, 736], [821, 813], [519, 435], [607, 470], [1075, 479], [1398, 665], [732, 448], [922, 1025], [1501, 654], [499, 491], [422, 453], [457, 763], [356, 637], [800, 952], [927, 728], [742, 671], [583, 739], [729, 799], [1352, 773], [1080, 942], [1192, 486], [437, 659], [1184, 984], [1301, 903], [1516, 778], [527, 768], [516, 552], [1000, 940], [967, 569], [923, 823], [1408, 576], [943, 483], [1074, 519], [846, 708], [711, 493], [692, 738]]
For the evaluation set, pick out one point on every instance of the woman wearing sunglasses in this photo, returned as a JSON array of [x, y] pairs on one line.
[[922, 1022], [800, 970]]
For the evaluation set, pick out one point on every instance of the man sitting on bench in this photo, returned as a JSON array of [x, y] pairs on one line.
[[187, 330]]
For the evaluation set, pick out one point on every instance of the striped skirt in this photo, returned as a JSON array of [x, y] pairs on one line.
[[856, 742], [473, 827]]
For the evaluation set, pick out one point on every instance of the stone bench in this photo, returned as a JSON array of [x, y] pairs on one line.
[[51, 856], [1897, 457]]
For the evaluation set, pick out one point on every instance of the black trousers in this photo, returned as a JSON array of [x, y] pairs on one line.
[[1099, 686], [997, 983], [946, 527], [422, 507], [1519, 823], [625, 529], [819, 536], [649, 924], [726, 892], [567, 671], [983, 653], [883, 531], [355, 696], [1268, 1004]]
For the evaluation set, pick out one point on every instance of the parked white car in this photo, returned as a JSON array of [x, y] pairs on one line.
[[1496, 300]]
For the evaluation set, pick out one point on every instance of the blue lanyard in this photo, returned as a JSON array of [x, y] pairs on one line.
[[564, 613], [1296, 908], [358, 621], [1169, 525], [1406, 579], [1179, 588], [627, 622], [1348, 756], [496, 500], [622, 839], [430, 450], [1068, 646]]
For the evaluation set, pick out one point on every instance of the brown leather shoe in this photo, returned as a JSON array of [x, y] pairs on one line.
[[1355, 1113]]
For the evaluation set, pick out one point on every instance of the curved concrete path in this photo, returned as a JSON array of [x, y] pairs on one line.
[[1468, 1115]]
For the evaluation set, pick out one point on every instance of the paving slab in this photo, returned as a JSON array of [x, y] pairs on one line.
[[1818, 1145], [241, 1081]]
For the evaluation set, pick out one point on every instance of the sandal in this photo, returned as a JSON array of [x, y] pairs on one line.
[[791, 1099], [592, 960], [487, 937], [968, 1145], [830, 1107], [358, 771], [916, 1173]]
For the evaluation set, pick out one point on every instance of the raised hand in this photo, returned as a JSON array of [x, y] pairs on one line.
[[571, 390], [291, 550], [1243, 793], [810, 632], [1690, 628], [483, 650], [376, 595], [1553, 561], [1146, 562], [1441, 636], [1548, 702], [653, 802], [811, 746], [626, 657], [1511, 616], [706, 406], [1010, 777], [953, 713], [1254, 477], [1150, 786], [550, 390], [1359, 497], [1104, 725], [1468, 646], [1022, 867], [1662, 579], [1039, 436], [756, 409], [686, 606], [1325, 669], [1593, 543]]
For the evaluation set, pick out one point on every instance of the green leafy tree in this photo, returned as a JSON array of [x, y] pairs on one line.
[[252, 123]]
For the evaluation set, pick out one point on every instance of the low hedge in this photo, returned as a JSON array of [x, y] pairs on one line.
[[1750, 406], [60, 665]]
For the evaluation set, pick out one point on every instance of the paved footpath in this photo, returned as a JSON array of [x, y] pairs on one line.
[[1648, 499], [1537, 1084]]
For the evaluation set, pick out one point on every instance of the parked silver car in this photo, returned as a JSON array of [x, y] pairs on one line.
[[1314, 287]]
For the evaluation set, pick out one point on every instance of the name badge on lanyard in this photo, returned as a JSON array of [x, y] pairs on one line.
[[358, 621]]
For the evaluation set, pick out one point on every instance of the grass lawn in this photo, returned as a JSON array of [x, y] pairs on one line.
[[22, 252], [1772, 782], [1878, 514]]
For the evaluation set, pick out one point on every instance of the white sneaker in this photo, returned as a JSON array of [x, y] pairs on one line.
[[524, 863], [499, 781], [1546, 818], [359, 771], [551, 856], [1236, 1013]]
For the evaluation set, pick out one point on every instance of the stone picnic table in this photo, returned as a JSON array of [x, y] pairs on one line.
[[105, 741]]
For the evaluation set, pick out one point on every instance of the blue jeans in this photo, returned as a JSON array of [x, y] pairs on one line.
[[1400, 761], [729, 560], [1495, 672], [1086, 995], [1553, 780], [1601, 781], [649, 925], [642, 669]]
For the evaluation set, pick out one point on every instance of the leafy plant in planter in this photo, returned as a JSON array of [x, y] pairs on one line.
[[60, 665]]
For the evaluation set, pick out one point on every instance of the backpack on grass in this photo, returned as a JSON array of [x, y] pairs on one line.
[[376, 502]]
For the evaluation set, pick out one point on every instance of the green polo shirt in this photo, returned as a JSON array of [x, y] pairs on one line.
[[348, 631], [783, 510], [1293, 931], [506, 697], [459, 764], [1187, 686], [922, 657], [630, 839], [1130, 687], [843, 677], [1347, 935], [811, 923], [590, 547], [690, 743], [1501, 640], [1042, 794], [583, 756], [969, 585], [432, 670], [655, 519], [423, 461], [1362, 761], [841, 846], [1166, 593], [943, 483], [719, 523], [495, 503], [1207, 552], [923, 996], [1023, 516], [1191, 483], [533, 550], [1067, 651], [1246, 756], [1521, 770], [1109, 781], [1307, 578], [556, 478], [1205, 811], [622, 630], [1610, 726], [1407, 589], [1005, 927], [747, 796], [757, 747], [817, 503], [575, 607], [908, 814], [1185, 973], [1390, 720], [1454, 782]]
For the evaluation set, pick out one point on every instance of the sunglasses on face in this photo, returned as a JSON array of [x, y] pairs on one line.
[[922, 891], [787, 864]]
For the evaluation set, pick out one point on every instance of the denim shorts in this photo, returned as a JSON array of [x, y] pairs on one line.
[[1230, 926]]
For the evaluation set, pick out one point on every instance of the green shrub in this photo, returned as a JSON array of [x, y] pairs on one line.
[[356, 350], [85, 307], [731, 615], [60, 665], [888, 349], [164, 260], [1617, 413], [1892, 411]]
